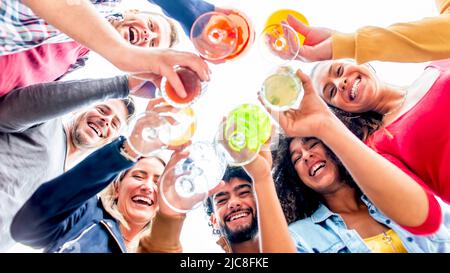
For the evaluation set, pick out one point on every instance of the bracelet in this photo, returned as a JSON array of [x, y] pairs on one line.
[[124, 153]]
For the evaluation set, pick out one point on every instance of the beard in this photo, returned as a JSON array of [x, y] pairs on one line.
[[78, 138], [242, 233]]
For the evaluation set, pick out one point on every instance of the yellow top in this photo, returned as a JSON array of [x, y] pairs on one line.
[[386, 242], [420, 41]]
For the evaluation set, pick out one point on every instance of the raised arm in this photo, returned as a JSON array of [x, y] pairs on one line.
[[28, 106], [57, 205], [106, 41], [184, 11], [273, 228], [393, 191], [77, 19], [424, 40]]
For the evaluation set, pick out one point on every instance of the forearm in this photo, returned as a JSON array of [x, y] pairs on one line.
[[424, 40], [80, 21], [394, 192], [25, 107], [164, 235], [184, 11], [67, 191], [443, 6], [53, 202], [273, 229]]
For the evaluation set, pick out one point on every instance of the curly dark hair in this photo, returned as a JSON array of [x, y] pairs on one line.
[[230, 173], [297, 200], [362, 124]]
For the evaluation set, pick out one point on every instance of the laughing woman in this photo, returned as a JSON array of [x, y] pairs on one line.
[[65, 214], [406, 166], [327, 211]]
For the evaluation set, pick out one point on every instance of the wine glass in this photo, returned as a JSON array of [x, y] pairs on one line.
[[282, 90], [192, 84], [240, 136], [151, 131], [186, 185], [237, 142], [279, 44], [223, 35]]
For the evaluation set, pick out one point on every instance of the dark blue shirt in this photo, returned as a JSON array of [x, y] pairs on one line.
[[184, 11], [65, 214]]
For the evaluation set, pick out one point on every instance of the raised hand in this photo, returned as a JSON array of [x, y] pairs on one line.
[[310, 119], [317, 45], [144, 85], [162, 61]]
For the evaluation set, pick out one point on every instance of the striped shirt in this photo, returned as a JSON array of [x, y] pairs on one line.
[[21, 29]]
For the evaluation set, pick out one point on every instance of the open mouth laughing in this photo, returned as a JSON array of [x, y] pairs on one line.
[[354, 91], [133, 35], [236, 215], [316, 168], [97, 129], [142, 200]]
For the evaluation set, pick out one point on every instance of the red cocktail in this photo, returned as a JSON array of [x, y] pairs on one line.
[[191, 83]]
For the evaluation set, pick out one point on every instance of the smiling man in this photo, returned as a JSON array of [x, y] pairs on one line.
[[145, 28], [232, 211], [36, 144]]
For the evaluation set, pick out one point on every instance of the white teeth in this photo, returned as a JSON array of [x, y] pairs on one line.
[[142, 199], [355, 86], [133, 35], [237, 216], [316, 167], [95, 128]]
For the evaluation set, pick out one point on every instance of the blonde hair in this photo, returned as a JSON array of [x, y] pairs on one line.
[[109, 201]]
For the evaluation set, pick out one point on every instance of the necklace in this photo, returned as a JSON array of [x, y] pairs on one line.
[[387, 239], [399, 106]]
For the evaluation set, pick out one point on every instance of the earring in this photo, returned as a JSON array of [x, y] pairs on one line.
[[215, 231]]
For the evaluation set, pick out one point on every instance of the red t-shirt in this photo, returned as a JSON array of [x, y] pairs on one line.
[[420, 144], [44, 63]]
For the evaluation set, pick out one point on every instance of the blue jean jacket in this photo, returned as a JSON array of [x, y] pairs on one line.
[[326, 232], [65, 215]]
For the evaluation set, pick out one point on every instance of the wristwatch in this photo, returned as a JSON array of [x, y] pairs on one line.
[[126, 153]]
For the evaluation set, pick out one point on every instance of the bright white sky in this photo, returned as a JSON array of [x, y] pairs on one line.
[[238, 81]]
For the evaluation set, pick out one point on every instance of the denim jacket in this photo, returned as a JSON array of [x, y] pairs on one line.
[[65, 215], [326, 232]]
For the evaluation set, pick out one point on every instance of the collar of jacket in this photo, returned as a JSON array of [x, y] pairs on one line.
[[224, 244], [119, 240]]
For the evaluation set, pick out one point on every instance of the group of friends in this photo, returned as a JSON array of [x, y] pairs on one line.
[[360, 165]]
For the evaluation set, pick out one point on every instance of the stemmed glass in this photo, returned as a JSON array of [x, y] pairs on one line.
[[237, 142], [279, 44]]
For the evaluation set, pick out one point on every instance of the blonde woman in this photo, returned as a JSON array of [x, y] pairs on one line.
[[65, 214]]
